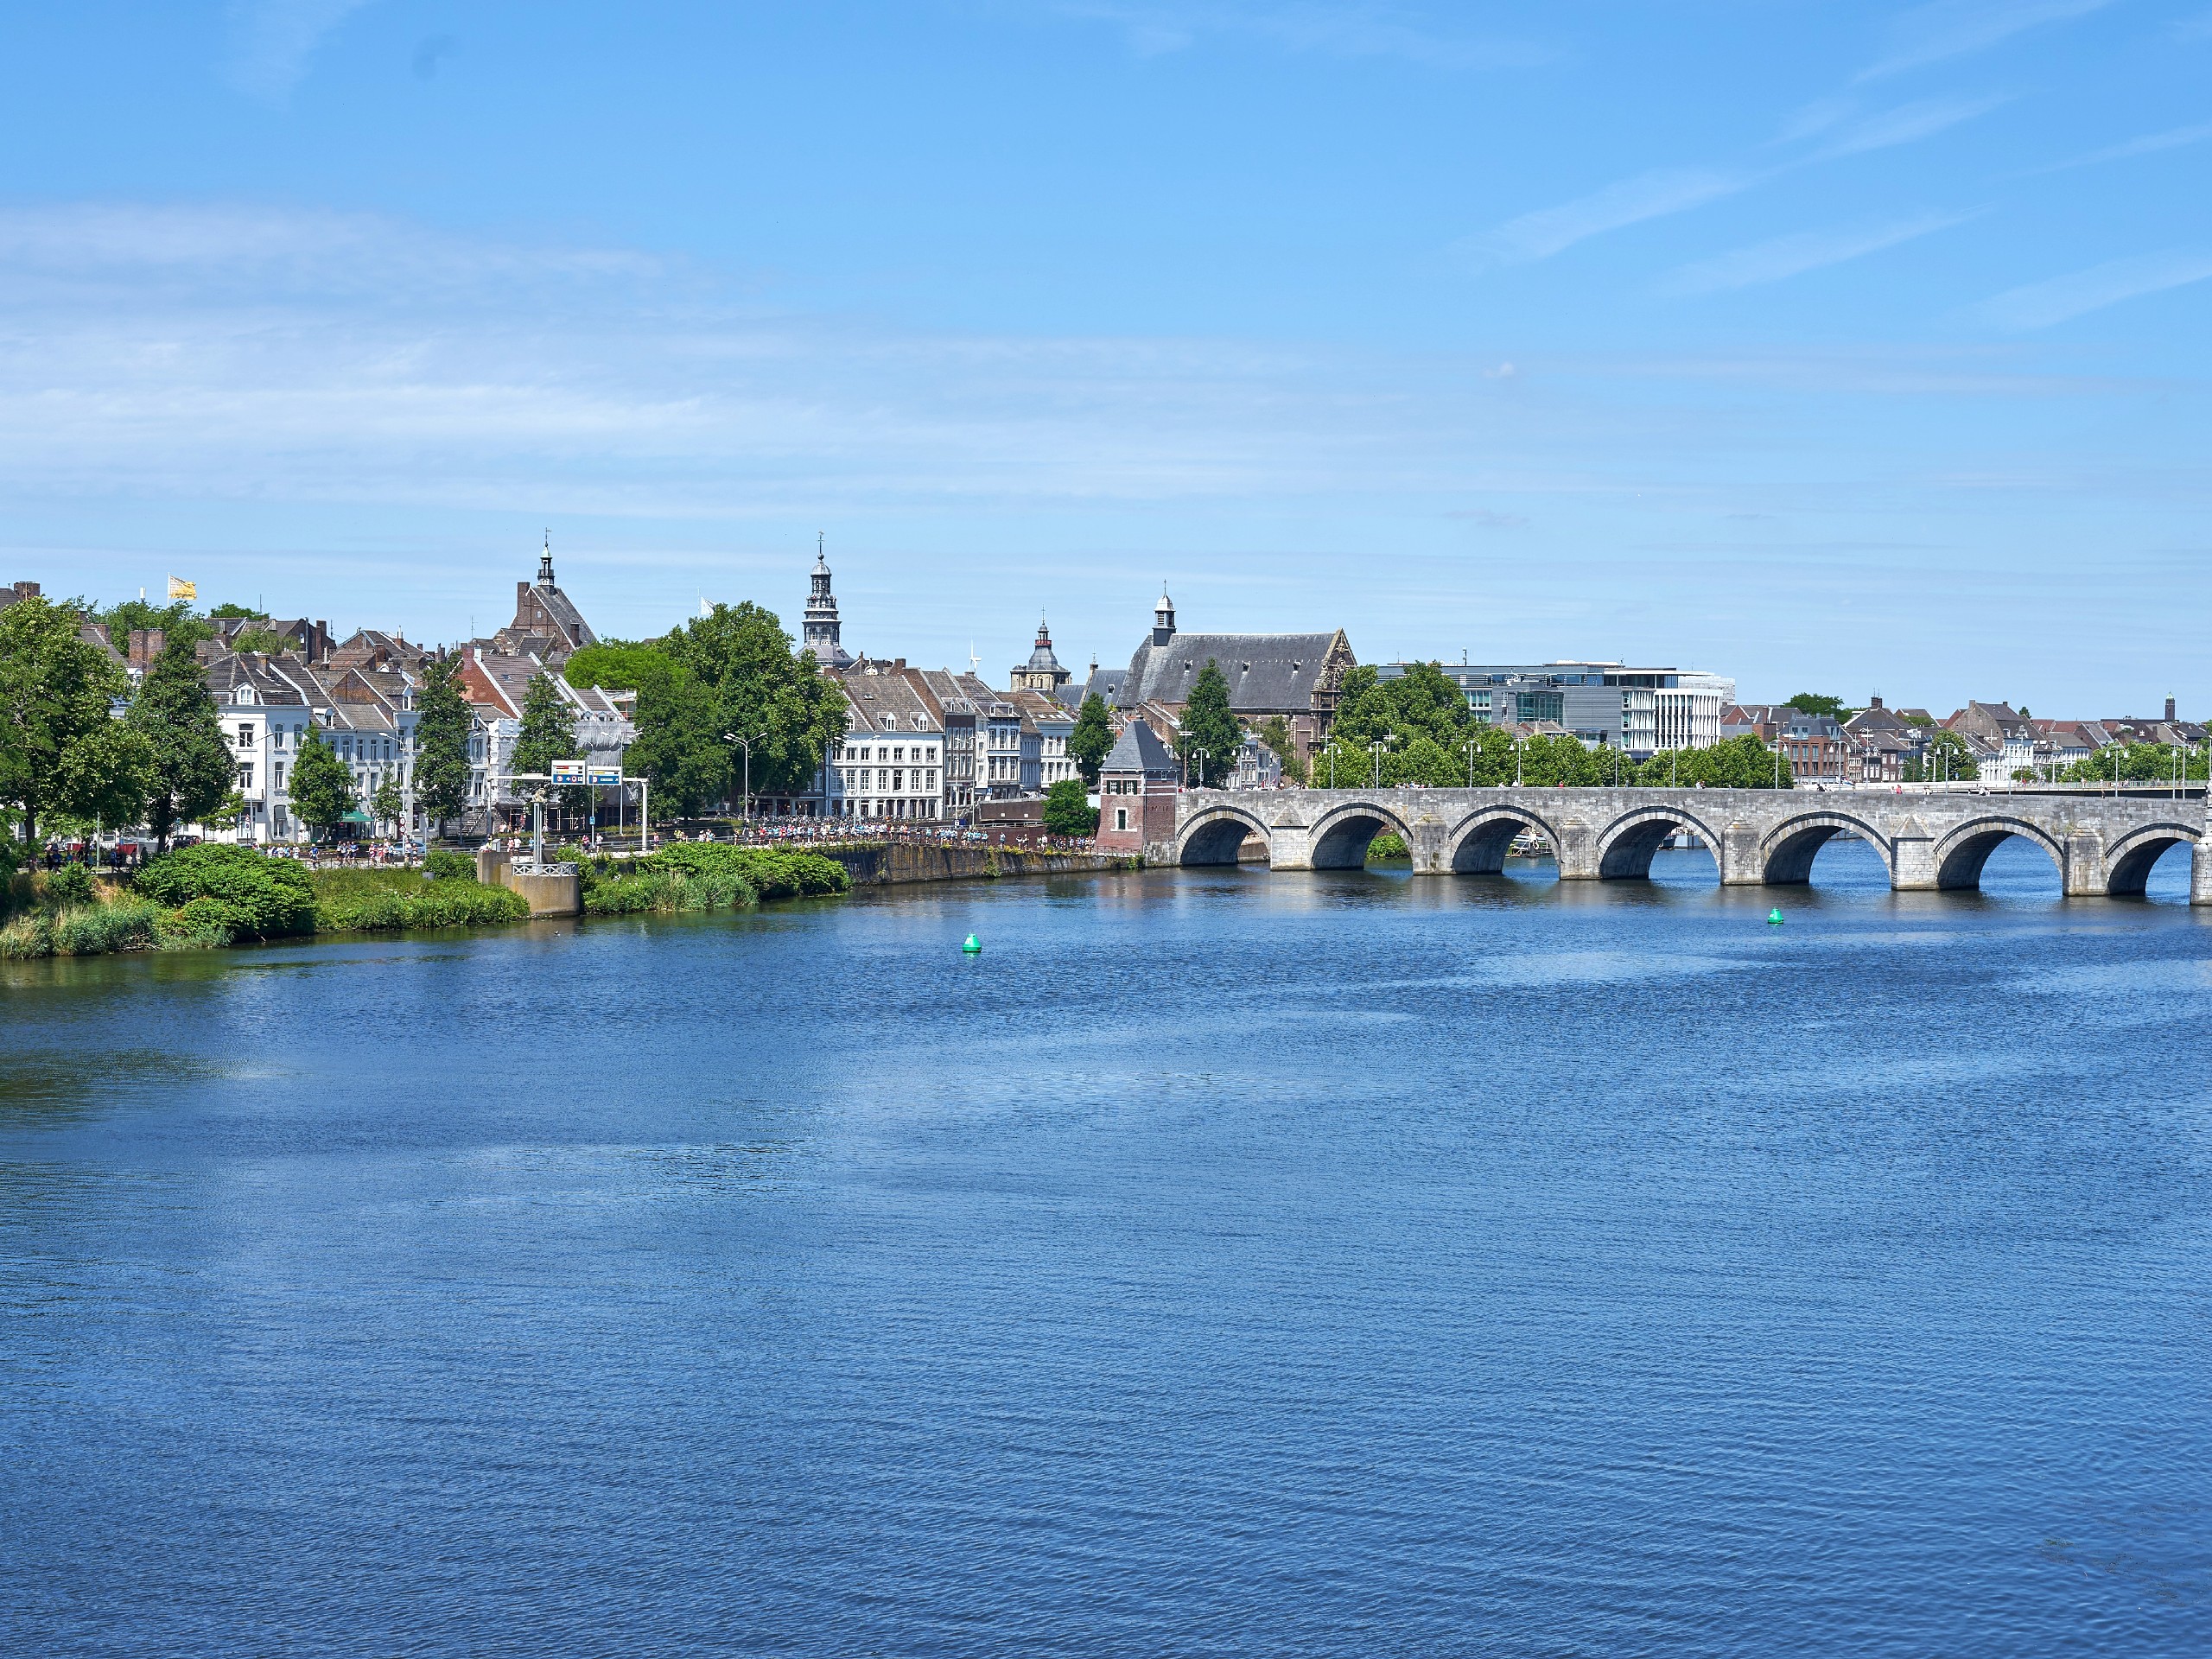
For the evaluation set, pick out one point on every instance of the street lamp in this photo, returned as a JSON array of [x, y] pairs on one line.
[[1376, 749], [1471, 745], [746, 745]]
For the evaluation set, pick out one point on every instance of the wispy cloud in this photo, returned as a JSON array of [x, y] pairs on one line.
[[1631, 202], [2150, 145], [1793, 256], [1906, 124], [1953, 28], [271, 42], [2039, 305], [1342, 29]]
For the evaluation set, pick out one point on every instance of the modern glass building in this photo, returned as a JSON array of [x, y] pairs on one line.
[[1607, 705]]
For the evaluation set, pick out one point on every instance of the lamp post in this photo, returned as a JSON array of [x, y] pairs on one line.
[[747, 743], [1471, 746], [1376, 749]]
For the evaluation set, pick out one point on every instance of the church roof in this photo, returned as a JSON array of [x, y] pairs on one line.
[[1267, 673], [1139, 749]]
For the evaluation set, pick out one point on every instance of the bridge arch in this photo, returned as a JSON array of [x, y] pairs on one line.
[[1628, 844], [1214, 835], [1341, 834], [2128, 861], [1962, 852], [1787, 851], [1479, 842]]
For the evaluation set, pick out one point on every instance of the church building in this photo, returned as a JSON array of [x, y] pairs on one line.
[[1294, 674]]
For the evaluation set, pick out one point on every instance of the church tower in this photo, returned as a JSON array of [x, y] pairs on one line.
[[822, 632], [1042, 672]]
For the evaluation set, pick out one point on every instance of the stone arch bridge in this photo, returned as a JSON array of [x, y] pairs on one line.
[[2103, 845]]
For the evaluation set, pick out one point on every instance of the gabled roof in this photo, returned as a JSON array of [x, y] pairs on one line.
[[1267, 673], [1139, 749]]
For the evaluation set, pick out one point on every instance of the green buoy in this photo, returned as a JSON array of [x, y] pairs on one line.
[[973, 948], [1774, 916]]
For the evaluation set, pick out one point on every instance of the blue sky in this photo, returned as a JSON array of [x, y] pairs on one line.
[[1830, 345]]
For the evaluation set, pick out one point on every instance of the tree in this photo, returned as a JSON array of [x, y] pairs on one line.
[[1275, 732], [1733, 763], [548, 734], [240, 613], [764, 692], [193, 767], [1092, 740], [267, 641], [389, 805], [322, 784], [174, 621], [1816, 703], [61, 751], [1946, 759], [679, 747], [442, 726], [1211, 737], [1068, 810]]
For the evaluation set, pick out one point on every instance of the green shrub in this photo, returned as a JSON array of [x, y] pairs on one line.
[[1068, 810], [102, 929], [28, 937], [377, 901], [203, 925], [270, 898], [70, 885], [1386, 845], [447, 865], [664, 891]]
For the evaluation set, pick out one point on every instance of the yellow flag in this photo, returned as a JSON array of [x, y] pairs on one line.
[[183, 589]]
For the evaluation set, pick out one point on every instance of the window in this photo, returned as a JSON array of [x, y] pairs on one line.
[[1121, 817], [245, 735], [277, 775]]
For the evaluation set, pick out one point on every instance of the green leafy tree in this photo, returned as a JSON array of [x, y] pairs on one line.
[[679, 748], [389, 805], [2136, 763], [265, 640], [192, 766], [1092, 740], [1946, 758], [1815, 702], [62, 752], [1275, 732], [1211, 736], [1068, 810], [442, 726], [238, 613], [1425, 702], [175, 620], [1733, 763], [548, 734], [763, 691], [322, 786]]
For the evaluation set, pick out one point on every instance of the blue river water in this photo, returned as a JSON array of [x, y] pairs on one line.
[[1220, 1263]]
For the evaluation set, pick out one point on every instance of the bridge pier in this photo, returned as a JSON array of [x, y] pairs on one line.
[[2199, 873], [2086, 876], [1912, 861]]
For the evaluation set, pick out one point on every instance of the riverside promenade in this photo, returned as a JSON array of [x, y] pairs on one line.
[[2103, 845]]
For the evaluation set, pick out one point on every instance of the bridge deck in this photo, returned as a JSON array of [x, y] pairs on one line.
[[2103, 844]]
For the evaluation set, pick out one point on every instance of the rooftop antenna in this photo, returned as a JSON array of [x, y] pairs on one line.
[[974, 663]]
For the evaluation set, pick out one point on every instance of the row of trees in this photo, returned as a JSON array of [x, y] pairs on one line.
[[67, 763]]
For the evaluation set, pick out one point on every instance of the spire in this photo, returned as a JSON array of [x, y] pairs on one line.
[[1163, 618], [821, 632], [545, 562]]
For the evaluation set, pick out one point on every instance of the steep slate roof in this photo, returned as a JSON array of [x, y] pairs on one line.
[[1139, 750], [1266, 672]]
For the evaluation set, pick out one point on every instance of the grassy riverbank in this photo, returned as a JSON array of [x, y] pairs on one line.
[[204, 897]]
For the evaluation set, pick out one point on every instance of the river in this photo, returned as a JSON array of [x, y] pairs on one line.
[[1220, 1263]]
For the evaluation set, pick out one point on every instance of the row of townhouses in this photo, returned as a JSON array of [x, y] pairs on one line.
[[1879, 744]]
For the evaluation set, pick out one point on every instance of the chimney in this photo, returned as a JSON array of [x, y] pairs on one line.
[[145, 644], [2169, 707], [1874, 702]]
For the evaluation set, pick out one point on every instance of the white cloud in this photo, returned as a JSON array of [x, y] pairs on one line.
[[1631, 202], [1338, 29], [1793, 256], [272, 39], [2039, 305], [1952, 28], [2150, 145], [1906, 124]]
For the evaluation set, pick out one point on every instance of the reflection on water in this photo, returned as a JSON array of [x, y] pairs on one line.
[[1223, 1262]]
